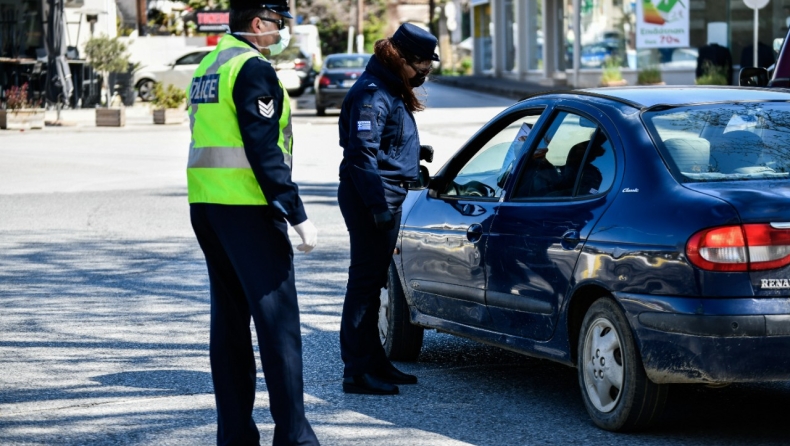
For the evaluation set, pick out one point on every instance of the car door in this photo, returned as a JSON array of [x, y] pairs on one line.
[[445, 233], [540, 228]]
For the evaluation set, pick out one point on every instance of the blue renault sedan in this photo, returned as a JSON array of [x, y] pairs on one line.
[[641, 235]]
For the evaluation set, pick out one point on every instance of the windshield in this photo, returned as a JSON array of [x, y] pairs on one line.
[[724, 142]]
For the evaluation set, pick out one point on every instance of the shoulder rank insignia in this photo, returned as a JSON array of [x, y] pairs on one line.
[[266, 106]]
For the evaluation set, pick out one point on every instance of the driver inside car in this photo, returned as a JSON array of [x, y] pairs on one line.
[[541, 176]]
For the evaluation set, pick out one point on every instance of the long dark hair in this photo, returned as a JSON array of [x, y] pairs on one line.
[[390, 57]]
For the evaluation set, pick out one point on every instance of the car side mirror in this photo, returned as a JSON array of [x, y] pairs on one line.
[[423, 178], [436, 184], [753, 77]]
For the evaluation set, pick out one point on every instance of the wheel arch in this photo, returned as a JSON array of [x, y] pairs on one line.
[[581, 300]]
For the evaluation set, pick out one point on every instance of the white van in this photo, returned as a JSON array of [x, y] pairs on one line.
[[306, 38]]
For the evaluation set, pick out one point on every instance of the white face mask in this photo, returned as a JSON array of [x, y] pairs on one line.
[[274, 49]]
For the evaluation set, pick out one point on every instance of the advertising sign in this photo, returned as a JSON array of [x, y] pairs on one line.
[[662, 24], [212, 21]]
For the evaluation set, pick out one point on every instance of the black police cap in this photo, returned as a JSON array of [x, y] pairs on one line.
[[416, 41], [278, 6]]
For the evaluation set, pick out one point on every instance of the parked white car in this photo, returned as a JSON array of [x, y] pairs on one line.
[[178, 73]]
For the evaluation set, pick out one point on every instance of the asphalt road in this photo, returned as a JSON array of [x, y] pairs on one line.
[[104, 311]]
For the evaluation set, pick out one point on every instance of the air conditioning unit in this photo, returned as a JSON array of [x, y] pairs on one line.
[[74, 3]]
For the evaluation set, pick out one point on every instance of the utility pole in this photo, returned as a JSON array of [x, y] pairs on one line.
[[431, 7], [142, 17], [360, 36]]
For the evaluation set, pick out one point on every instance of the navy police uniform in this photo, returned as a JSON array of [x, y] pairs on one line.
[[246, 245], [381, 153]]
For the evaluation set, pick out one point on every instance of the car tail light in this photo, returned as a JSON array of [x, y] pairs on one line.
[[299, 64], [323, 81], [751, 247]]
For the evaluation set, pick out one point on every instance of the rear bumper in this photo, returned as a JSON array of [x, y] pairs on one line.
[[683, 340], [330, 97]]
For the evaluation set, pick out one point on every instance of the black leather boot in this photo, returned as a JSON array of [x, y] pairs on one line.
[[368, 385], [390, 374]]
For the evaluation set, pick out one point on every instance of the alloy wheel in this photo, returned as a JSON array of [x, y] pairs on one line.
[[603, 365], [384, 316], [146, 90]]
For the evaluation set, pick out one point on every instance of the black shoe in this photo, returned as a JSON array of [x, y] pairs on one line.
[[368, 385], [394, 376]]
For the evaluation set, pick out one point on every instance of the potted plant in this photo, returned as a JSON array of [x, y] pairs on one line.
[[169, 104], [108, 55], [649, 76], [612, 76], [21, 113], [712, 75]]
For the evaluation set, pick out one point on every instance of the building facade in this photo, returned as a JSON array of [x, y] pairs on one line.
[[535, 40]]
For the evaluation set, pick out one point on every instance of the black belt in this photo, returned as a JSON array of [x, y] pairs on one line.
[[403, 184]]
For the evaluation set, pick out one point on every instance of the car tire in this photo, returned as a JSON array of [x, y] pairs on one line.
[[320, 111], [145, 90], [402, 341], [615, 389]]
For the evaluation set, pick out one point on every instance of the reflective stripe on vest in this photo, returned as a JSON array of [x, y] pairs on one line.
[[218, 170]]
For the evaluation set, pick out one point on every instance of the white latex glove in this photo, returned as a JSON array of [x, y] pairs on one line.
[[309, 235]]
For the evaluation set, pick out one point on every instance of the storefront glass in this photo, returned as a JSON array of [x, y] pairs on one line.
[[535, 32], [608, 31], [21, 28], [483, 33], [510, 32]]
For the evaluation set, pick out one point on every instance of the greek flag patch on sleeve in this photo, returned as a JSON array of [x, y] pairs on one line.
[[363, 126], [266, 106]]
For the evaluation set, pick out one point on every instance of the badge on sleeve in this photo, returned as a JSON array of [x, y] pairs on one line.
[[266, 106], [363, 126]]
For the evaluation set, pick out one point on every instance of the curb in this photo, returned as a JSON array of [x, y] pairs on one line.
[[500, 87]]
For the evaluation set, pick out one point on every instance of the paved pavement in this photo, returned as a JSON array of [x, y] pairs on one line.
[[104, 297]]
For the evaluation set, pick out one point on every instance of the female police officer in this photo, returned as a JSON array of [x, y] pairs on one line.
[[381, 153]]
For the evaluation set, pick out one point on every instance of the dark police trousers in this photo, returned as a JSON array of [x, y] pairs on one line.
[[250, 268], [371, 254]]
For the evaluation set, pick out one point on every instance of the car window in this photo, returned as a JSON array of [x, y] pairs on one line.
[[573, 158], [485, 174], [192, 58], [724, 142]]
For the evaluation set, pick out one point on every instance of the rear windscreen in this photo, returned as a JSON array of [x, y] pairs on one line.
[[347, 62], [724, 142]]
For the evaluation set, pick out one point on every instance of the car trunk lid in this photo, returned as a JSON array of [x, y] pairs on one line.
[[759, 202]]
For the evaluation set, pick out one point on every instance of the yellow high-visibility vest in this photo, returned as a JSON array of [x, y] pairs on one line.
[[218, 170]]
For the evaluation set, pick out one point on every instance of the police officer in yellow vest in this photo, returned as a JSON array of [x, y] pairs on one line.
[[241, 195]]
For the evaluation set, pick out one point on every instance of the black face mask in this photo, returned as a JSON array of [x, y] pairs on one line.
[[417, 80]]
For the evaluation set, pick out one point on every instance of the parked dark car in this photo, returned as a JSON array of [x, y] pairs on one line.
[[339, 73], [639, 234]]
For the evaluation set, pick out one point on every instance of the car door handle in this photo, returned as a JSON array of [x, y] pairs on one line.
[[570, 239], [474, 233]]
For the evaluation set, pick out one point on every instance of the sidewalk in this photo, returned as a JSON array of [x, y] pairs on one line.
[[497, 86], [138, 115]]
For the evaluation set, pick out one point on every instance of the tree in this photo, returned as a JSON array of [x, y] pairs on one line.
[[107, 55], [334, 17], [207, 4]]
